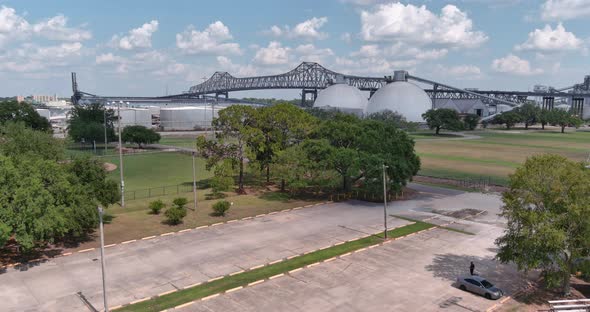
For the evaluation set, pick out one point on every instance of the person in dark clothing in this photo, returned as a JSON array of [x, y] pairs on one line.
[[471, 268]]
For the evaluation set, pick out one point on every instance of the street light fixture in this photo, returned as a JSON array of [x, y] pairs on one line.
[[102, 262], [385, 201], [194, 182], [121, 154], [105, 129]]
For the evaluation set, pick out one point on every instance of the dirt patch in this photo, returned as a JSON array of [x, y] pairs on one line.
[[459, 214], [109, 167]]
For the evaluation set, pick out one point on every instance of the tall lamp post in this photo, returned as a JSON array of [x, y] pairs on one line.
[[104, 285], [121, 154], [385, 201], [194, 182], [105, 129]]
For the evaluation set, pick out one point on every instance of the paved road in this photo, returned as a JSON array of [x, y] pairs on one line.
[[416, 273], [150, 267]]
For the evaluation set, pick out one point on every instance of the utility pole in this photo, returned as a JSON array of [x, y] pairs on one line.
[[104, 286], [121, 155], [194, 182], [384, 202]]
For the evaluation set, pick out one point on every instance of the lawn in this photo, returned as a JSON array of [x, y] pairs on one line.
[[497, 153]]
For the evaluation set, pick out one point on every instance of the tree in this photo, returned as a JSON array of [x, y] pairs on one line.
[[395, 119], [87, 123], [443, 118], [563, 118], [16, 140], [471, 121], [529, 114], [548, 217], [509, 118], [234, 127], [139, 135], [13, 111], [544, 117], [91, 173]]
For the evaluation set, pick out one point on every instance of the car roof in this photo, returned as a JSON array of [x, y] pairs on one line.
[[474, 277]]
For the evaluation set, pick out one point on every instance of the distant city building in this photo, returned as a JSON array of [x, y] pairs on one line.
[[19, 98], [44, 98]]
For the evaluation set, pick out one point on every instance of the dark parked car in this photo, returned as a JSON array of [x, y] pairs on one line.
[[479, 285]]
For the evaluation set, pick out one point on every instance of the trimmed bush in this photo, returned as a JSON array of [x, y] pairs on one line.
[[221, 207], [180, 202], [156, 206], [175, 215]]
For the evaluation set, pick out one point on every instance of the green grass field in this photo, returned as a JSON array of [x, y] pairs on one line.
[[497, 153]]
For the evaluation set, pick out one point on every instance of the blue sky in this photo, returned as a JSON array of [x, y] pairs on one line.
[[146, 47]]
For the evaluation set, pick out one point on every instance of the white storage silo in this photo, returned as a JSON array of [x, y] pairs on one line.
[[183, 118], [342, 97], [135, 117]]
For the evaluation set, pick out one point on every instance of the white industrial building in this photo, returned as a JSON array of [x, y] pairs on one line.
[[464, 106], [342, 97], [135, 117], [187, 118]]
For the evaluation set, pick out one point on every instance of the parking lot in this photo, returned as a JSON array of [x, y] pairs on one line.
[[415, 273]]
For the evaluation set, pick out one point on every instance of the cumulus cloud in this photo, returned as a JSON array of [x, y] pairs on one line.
[[238, 70], [469, 71], [410, 23], [346, 37], [212, 40], [549, 39], [399, 51], [137, 38], [307, 30], [310, 53], [560, 10], [55, 28], [273, 54], [108, 58], [512, 64], [15, 26]]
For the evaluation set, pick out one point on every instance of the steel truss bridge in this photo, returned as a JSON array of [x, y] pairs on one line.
[[310, 77]]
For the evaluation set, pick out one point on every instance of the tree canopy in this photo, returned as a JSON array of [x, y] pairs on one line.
[[139, 135], [443, 118], [548, 213], [563, 118], [529, 114], [13, 111], [87, 123]]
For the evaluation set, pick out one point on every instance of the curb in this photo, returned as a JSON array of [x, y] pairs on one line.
[[6, 266]]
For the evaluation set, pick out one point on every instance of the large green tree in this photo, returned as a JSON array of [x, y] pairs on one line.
[[529, 114], [509, 118], [443, 118], [548, 217], [139, 135], [87, 123], [544, 117], [13, 111], [563, 119], [235, 126]]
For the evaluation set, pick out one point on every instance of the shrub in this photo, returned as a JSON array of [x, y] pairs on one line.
[[180, 202], [221, 207], [156, 206], [175, 215]]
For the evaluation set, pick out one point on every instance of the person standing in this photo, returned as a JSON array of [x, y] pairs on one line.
[[471, 268]]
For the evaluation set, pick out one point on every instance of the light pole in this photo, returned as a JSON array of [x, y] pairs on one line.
[[194, 182], [105, 130], [121, 154], [104, 285], [384, 201]]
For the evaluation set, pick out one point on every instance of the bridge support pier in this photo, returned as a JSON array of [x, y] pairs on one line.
[[434, 89], [548, 102], [578, 106], [305, 92]]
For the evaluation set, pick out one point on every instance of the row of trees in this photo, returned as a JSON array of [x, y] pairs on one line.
[[305, 151], [530, 114], [449, 119]]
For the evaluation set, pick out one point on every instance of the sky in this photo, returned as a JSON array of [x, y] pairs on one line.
[[151, 48]]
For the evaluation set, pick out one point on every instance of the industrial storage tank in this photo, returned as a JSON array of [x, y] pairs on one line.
[[135, 117], [186, 118], [342, 97], [44, 113], [402, 97]]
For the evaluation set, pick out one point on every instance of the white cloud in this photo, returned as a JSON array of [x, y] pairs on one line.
[[212, 40], [274, 54], [560, 10], [307, 30], [236, 69], [60, 51], [409, 23], [461, 70], [137, 38], [346, 37], [373, 65], [512, 64], [310, 53], [108, 58], [549, 39], [55, 28], [399, 51]]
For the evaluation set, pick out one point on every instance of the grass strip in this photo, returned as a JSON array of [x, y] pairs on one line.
[[434, 225], [243, 279]]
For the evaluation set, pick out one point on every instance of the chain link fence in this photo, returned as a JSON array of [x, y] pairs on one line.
[[158, 191]]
